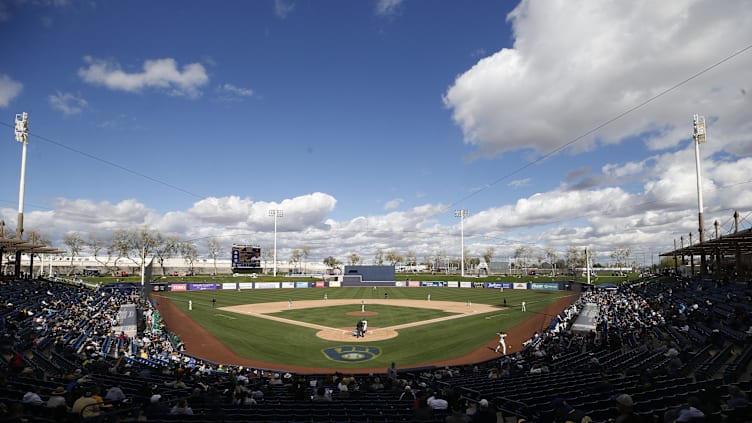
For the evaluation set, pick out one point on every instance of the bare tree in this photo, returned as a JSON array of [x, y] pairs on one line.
[[410, 259], [621, 255], [378, 258], [189, 252], [120, 246], [214, 247], [74, 242], [295, 258], [305, 251], [332, 262], [353, 259], [267, 253], [522, 254], [97, 245], [488, 256], [551, 258], [164, 248], [393, 258]]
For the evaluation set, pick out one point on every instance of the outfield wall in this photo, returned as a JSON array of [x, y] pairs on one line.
[[237, 286]]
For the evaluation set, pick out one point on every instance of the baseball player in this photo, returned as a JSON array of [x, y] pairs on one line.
[[502, 343]]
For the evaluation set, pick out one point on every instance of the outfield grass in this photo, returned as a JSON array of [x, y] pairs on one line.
[[266, 340]]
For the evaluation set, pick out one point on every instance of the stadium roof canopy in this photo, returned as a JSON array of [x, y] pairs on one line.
[[727, 244]]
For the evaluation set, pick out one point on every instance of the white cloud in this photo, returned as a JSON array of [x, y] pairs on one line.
[[519, 183], [282, 8], [393, 204], [231, 92], [69, 104], [387, 7], [161, 74], [9, 89], [573, 67]]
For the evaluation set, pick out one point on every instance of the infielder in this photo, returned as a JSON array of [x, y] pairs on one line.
[[502, 343]]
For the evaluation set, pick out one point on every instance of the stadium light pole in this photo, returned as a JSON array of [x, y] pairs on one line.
[[275, 213], [699, 135], [462, 214], [22, 136]]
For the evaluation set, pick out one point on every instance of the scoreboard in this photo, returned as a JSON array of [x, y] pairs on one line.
[[246, 256]]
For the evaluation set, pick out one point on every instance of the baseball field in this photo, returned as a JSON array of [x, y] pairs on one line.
[[311, 330]]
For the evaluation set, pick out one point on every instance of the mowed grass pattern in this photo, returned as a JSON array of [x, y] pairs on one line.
[[337, 316], [276, 342]]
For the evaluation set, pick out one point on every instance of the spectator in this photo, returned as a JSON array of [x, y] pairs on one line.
[[625, 410], [58, 398], [689, 412], [483, 414], [322, 395], [181, 408], [422, 412], [32, 398], [86, 406], [115, 394], [565, 413], [436, 402], [737, 398], [458, 415]]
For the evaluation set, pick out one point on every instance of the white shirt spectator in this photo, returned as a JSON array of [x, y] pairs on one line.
[[32, 398]]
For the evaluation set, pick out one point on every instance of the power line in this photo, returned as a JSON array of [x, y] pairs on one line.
[[110, 163]]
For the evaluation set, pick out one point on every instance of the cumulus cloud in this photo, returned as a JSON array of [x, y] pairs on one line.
[[282, 8], [387, 7], [569, 72], [162, 74], [69, 104], [9, 89]]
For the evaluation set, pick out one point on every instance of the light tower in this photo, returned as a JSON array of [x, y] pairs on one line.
[[699, 136], [275, 213], [22, 136], [462, 214]]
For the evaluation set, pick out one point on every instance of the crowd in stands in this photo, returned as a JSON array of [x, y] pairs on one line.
[[678, 350]]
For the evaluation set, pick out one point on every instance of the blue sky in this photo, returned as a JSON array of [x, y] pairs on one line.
[[370, 122]]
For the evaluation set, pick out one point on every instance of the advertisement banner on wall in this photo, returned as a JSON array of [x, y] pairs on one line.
[[245, 285], [399, 284], [301, 285], [202, 286], [414, 284], [453, 284], [288, 284], [520, 285], [319, 284], [499, 285], [432, 283], [229, 285], [178, 287], [466, 284], [552, 286], [266, 285], [332, 284]]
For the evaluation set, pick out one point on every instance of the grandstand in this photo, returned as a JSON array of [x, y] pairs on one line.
[[660, 341]]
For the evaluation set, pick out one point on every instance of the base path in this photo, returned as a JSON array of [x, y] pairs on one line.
[[199, 342]]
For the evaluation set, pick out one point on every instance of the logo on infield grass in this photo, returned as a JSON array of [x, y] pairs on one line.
[[352, 353]]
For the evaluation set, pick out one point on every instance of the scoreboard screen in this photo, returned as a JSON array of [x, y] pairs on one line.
[[246, 256]]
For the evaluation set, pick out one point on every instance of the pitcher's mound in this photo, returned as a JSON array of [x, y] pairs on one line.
[[346, 334], [362, 313]]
